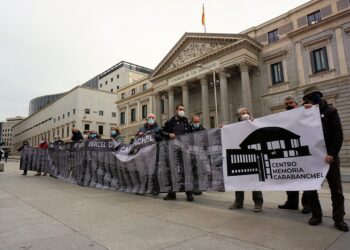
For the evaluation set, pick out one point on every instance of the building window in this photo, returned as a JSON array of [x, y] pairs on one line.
[[54, 120], [112, 79], [111, 90], [87, 127], [117, 87], [277, 73], [67, 130], [62, 132], [162, 106], [123, 95], [314, 17], [58, 118], [122, 118], [144, 111], [73, 111], [273, 35], [106, 82], [87, 111], [133, 91], [101, 85], [68, 114], [114, 114], [100, 112], [133, 115], [319, 60], [117, 76], [63, 116], [100, 130], [144, 87]]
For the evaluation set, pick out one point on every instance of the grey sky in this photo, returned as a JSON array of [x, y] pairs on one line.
[[50, 46]]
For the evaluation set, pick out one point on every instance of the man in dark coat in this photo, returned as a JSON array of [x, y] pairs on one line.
[[292, 202], [150, 126], [175, 126], [25, 143], [77, 136], [196, 124], [333, 135]]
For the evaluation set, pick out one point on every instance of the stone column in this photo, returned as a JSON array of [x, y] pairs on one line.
[[185, 97], [300, 64], [158, 108], [225, 118], [341, 51], [171, 103], [246, 91], [205, 102]]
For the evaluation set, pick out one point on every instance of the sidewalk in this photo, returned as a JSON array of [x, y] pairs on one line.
[[47, 213]]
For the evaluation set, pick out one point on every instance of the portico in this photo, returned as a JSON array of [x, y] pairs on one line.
[[185, 76]]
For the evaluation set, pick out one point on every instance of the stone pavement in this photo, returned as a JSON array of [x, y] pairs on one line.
[[47, 213]]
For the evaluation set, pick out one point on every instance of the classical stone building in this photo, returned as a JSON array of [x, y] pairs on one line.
[[134, 102], [6, 131], [309, 45]]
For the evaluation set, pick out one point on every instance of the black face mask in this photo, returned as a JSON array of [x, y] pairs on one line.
[[289, 107]]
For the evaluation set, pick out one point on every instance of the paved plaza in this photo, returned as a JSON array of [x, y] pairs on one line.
[[47, 213]]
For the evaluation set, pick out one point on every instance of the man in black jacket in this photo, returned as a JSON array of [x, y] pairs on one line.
[[333, 135], [177, 125], [77, 136]]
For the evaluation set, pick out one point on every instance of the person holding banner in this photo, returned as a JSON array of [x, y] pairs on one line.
[[76, 135], [25, 144], [151, 125], [177, 125], [115, 135], [292, 202], [243, 114], [333, 135]]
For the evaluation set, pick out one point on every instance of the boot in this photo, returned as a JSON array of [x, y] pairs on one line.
[[189, 196], [170, 196]]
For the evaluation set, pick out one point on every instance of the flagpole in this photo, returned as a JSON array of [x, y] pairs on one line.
[[203, 19]]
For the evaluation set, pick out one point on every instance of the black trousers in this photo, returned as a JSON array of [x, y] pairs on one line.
[[257, 197], [293, 199], [335, 185]]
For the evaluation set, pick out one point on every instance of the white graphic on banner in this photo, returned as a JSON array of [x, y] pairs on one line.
[[283, 151]]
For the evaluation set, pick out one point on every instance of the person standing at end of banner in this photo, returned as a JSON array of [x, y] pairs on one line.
[[151, 125], [333, 136], [196, 126], [177, 125], [43, 145], [292, 202], [93, 135], [115, 135], [77, 136], [25, 143], [243, 114]]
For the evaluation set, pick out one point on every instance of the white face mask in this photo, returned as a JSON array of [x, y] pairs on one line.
[[181, 113], [245, 117]]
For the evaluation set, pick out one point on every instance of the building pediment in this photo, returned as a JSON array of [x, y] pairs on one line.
[[193, 48]]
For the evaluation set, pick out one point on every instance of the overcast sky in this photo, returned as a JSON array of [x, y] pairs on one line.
[[50, 46]]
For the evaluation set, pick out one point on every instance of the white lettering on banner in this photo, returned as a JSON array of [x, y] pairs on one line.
[[97, 144], [143, 140], [283, 151]]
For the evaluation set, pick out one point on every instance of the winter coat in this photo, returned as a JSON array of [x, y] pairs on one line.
[[151, 128], [171, 125]]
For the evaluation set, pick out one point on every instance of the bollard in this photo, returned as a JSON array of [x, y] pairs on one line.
[[2, 167]]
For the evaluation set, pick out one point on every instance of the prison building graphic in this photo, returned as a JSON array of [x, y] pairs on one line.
[[259, 147]]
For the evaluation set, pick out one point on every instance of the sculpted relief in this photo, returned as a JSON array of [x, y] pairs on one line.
[[192, 51]]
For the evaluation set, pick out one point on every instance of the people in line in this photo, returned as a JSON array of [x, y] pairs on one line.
[[94, 135], [243, 114], [151, 125], [24, 144], [6, 154], [292, 202], [175, 126], [43, 145], [76, 135], [115, 135], [333, 135]]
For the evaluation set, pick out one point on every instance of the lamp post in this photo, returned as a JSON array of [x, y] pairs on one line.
[[215, 96]]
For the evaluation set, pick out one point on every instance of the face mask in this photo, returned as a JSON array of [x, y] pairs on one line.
[[289, 107], [93, 136], [113, 132], [196, 125], [245, 117], [150, 121], [181, 113]]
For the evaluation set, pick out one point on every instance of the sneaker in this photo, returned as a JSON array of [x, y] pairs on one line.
[[288, 206], [235, 205], [258, 208], [189, 197], [314, 221], [170, 196], [24, 174], [341, 225], [306, 210]]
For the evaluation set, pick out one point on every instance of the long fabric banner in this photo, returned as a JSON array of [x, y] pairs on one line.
[[283, 151]]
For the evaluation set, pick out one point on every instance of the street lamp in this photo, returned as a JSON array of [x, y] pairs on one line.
[[215, 96]]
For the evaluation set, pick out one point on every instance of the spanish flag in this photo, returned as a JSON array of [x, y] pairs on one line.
[[203, 19]]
